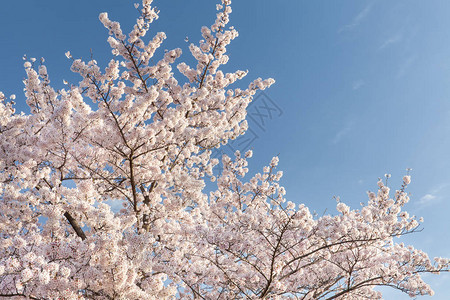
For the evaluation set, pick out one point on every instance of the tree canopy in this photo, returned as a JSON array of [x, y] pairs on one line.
[[140, 134]]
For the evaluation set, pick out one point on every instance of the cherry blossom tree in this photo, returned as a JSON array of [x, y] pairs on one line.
[[132, 134]]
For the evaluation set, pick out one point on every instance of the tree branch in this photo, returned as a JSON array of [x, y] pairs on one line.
[[75, 225]]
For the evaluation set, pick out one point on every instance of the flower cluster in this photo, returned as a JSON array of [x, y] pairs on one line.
[[103, 190]]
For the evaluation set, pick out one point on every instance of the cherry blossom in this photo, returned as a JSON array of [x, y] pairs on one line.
[[133, 135]]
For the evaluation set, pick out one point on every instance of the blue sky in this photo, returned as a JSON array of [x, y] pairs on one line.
[[363, 88]]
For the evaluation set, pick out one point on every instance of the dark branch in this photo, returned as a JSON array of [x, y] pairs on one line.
[[75, 225]]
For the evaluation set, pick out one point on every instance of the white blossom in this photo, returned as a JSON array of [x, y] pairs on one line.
[[104, 191]]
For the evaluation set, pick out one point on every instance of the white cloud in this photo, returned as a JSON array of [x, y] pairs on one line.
[[357, 19], [391, 40], [405, 65], [426, 200], [432, 197], [341, 133], [357, 84]]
